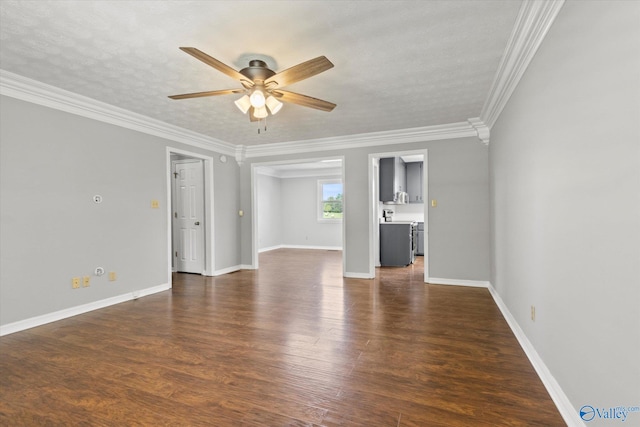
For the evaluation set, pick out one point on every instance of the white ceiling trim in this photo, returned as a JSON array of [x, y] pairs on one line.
[[532, 24], [36, 92], [403, 136], [299, 173], [481, 129], [30, 90]]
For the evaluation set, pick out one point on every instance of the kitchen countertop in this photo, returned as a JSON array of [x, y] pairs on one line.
[[399, 222]]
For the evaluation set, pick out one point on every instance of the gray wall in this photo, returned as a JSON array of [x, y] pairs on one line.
[[565, 162], [459, 231], [288, 215], [51, 165], [459, 241], [300, 213], [270, 220]]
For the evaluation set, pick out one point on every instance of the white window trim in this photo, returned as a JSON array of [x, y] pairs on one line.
[[320, 201]]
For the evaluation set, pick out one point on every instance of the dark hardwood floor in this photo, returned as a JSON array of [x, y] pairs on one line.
[[292, 344]]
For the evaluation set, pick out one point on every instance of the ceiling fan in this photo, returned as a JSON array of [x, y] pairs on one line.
[[261, 86]]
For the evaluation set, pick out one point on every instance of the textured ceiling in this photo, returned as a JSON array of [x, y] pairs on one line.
[[398, 64]]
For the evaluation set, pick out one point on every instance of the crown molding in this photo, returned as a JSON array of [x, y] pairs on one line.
[[23, 88], [403, 136], [482, 130], [532, 24], [299, 173], [241, 154]]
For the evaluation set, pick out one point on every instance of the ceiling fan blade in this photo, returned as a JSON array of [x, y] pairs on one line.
[[223, 68], [209, 93], [300, 72], [304, 100]]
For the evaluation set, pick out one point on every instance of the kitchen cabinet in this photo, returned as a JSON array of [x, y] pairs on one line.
[[397, 243], [420, 237], [414, 182], [393, 178]]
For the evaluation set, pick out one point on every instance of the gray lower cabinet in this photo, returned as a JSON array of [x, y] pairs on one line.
[[420, 237], [396, 244]]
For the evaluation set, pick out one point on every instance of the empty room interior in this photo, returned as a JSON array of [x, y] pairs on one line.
[[341, 213]]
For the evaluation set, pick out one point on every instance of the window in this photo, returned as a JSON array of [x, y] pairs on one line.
[[330, 200]]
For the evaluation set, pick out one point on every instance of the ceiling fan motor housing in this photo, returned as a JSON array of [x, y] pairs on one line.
[[257, 71]]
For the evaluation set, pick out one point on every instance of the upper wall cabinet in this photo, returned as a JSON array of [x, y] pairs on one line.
[[392, 178], [414, 182]]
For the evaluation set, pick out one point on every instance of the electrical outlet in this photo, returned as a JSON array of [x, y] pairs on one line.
[[86, 281], [533, 313], [75, 282], [155, 204], [112, 276]]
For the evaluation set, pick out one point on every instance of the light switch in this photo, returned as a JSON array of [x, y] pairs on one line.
[[155, 204], [434, 203]]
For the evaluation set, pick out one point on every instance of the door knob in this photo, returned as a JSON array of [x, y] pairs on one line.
[[197, 223]]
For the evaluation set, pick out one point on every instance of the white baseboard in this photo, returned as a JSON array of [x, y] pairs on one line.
[[228, 270], [270, 248], [322, 248], [458, 282], [32, 322], [566, 409], [351, 275]]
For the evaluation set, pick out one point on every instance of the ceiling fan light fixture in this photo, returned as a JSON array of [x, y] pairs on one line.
[[260, 112], [273, 104], [257, 99], [261, 92], [243, 104]]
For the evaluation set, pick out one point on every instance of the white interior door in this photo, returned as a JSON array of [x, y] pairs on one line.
[[188, 216]]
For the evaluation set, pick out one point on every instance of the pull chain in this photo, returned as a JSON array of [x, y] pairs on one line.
[[265, 125]]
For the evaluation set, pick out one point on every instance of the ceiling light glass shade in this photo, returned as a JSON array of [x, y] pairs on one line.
[[273, 104], [260, 112], [257, 99], [244, 104]]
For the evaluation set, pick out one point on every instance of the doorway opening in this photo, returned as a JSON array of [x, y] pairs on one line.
[[410, 211], [288, 209], [190, 212]]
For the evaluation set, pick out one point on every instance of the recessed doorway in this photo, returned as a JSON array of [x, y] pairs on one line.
[[190, 212]]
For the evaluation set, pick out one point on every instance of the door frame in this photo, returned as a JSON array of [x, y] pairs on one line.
[[374, 212], [254, 203], [174, 207], [209, 242]]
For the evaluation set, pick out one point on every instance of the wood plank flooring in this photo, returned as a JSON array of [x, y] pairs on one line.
[[292, 344]]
